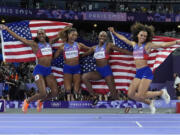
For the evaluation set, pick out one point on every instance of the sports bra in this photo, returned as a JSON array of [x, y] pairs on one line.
[[139, 52], [71, 51], [44, 50], [100, 52]]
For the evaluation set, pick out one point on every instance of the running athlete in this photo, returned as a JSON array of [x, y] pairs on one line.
[[142, 45]]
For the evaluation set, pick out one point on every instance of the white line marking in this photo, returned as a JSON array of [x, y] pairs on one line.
[[139, 125], [80, 127]]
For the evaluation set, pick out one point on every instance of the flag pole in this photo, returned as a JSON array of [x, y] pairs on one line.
[[112, 38], [2, 46]]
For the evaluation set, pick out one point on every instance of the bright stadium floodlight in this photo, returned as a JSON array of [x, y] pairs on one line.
[[178, 26], [95, 25], [3, 20]]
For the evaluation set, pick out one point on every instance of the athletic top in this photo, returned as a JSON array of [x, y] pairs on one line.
[[139, 52], [100, 52], [44, 50], [71, 51]]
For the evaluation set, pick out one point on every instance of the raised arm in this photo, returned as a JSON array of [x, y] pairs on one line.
[[25, 41], [58, 52], [115, 48], [54, 40], [88, 50], [123, 38], [162, 45]]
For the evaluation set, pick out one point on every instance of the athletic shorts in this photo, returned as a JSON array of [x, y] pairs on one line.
[[44, 71], [144, 72], [104, 71], [68, 69]]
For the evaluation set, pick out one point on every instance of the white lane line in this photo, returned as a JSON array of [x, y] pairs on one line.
[[139, 125], [70, 121]]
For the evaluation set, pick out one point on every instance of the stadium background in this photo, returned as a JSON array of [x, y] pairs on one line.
[[91, 16]]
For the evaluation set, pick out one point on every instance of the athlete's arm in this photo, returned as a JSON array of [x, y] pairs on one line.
[[25, 41], [88, 50], [115, 48], [165, 44], [123, 38], [59, 51]]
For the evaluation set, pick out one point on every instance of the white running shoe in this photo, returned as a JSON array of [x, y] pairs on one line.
[[165, 96], [152, 107]]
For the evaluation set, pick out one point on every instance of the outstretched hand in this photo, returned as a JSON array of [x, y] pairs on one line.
[[111, 29], [3, 27]]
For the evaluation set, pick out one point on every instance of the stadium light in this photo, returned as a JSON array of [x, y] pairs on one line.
[[3, 20], [95, 25]]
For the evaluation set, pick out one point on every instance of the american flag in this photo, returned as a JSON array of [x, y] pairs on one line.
[[122, 65], [14, 50]]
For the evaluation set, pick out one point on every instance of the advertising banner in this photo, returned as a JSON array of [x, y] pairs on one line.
[[88, 104]]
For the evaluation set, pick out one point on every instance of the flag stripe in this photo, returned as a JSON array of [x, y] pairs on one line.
[[48, 30], [20, 59], [19, 53], [14, 46]]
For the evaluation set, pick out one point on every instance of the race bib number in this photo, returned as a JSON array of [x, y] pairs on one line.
[[46, 51], [2, 105], [99, 55], [71, 54]]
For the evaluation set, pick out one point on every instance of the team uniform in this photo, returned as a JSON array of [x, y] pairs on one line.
[[44, 50], [100, 53], [139, 53], [71, 51]]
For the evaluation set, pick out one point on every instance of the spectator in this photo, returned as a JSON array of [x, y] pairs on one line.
[[177, 85]]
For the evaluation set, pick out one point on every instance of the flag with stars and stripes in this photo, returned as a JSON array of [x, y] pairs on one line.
[[122, 65], [14, 50]]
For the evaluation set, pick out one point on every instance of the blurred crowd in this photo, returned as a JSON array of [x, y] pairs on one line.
[[120, 6], [14, 77], [146, 6]]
